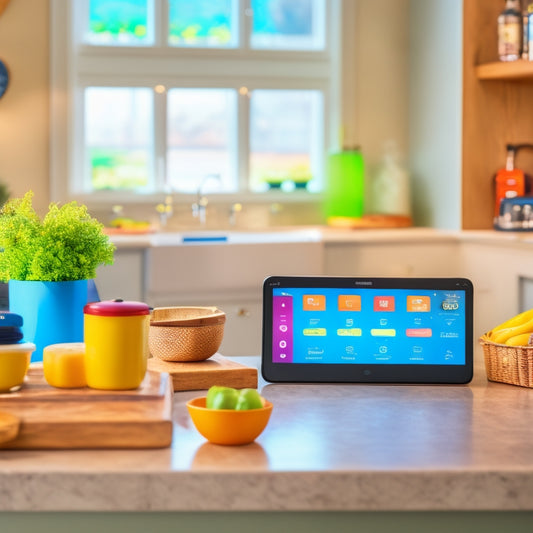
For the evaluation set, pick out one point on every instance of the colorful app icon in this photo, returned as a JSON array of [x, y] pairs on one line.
[[418, 304], [349, 302], [314, 332], [375, 332], [314, 302], [418, 332], [349, 332], [450, 304], [383, 303]]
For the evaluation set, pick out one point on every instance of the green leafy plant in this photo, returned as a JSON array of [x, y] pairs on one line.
[[66, 245]]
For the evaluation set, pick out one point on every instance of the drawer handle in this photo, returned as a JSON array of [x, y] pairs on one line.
[[243, 312]]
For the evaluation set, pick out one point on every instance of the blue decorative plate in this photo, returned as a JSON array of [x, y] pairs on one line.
[[4, 78]]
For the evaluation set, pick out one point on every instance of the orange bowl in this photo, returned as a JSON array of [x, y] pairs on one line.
[[228, 426]]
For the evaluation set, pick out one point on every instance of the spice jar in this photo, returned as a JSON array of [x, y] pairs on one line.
[[116, 344]]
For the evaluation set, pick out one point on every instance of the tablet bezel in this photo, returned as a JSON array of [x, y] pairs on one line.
[[365, 373]]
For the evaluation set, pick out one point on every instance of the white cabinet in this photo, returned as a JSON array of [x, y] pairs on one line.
[[229, 276], [125, 277], [393, 259], [500, 273]]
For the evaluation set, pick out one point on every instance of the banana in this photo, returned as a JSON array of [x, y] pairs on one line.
[[499, 337], [519, 340], [525, 316]]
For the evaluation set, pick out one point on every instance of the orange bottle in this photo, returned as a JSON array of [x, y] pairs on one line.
[[509, 181]]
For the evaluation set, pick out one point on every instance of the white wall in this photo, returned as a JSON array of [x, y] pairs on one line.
[[24, 116], [435, 111], [382, 76]]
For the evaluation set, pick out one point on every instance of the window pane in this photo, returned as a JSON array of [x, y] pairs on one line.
[[285, 139], [201, 137], [203, 23], [288, 24], [120, 22], [118, 137]]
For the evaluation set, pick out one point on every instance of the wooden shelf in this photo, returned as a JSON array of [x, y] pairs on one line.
[[502, 70], [497, 106]]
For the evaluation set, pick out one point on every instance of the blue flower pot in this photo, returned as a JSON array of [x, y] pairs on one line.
[[52, 311]]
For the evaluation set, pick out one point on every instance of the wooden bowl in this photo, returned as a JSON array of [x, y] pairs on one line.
[[185, 334]]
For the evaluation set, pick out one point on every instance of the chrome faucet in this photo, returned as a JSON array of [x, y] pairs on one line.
[[165, 211], [233, 211], [199, 208]]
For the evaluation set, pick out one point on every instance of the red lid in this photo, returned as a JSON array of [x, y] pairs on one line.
[[116, 307]]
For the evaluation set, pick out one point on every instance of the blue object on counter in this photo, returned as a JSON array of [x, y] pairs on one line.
[[10, 335], [212, 238], [11, 320], [10, 328], [52, 311], [516, 214]]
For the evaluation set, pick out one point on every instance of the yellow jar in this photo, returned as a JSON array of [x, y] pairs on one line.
[[116, 344]]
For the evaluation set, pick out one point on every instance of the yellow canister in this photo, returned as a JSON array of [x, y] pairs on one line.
[[116, 344]]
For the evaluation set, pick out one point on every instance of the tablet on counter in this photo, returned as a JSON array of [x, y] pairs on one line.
[[367, 330]]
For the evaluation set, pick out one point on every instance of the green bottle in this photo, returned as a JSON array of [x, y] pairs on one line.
[[345, 185]]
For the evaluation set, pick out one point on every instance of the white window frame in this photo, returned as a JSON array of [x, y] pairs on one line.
[[75, 65]]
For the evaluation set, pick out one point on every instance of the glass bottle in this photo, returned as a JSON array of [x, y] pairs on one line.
[[510, 31], [345, 185], [530, 30], [390, 185], [525, 32]]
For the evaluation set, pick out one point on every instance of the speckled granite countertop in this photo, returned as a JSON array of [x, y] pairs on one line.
[[327, 447]]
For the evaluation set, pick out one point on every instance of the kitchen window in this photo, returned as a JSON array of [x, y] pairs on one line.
[[150, 97]]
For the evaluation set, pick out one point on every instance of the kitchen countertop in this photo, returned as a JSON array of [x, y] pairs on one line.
[[327, 447], [323, 234]]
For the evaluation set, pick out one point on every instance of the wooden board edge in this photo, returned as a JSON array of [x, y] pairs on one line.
[[126, 435], [237, 378]]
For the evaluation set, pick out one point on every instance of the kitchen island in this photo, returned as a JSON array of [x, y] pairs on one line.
[[380, 455]]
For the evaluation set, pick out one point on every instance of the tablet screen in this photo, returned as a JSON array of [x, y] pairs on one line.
[[367, 329]]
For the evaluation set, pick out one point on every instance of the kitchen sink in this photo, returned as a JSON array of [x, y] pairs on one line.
[[180, 266], [233, 237]]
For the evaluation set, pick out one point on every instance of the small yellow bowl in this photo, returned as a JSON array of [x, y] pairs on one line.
[[14, 363], [228, 426]]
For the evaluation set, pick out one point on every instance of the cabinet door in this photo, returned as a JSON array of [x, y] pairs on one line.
[[392, 259], [175, 273], [243, 328], [500, 274], [124, 278]]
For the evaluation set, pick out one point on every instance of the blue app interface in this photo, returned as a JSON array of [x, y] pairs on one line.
[[368, 326]]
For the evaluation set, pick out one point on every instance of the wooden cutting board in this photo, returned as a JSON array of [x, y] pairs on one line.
[[198, 375], [52, 418]]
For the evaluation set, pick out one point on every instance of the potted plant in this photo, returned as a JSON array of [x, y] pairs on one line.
[[47, 263]]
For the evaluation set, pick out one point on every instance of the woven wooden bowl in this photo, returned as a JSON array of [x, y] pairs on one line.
[[508, 364], [185, 334]]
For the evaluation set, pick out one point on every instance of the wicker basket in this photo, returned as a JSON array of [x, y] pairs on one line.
[[186, 334], [508, 364]]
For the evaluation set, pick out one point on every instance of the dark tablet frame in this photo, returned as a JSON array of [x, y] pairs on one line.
[[365, 373]]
